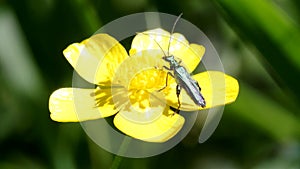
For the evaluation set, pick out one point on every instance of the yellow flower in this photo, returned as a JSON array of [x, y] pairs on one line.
[[129, 86]]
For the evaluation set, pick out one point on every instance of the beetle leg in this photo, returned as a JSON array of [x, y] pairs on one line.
[[169, 73], [159, 68], [179, 62], [167, 68], [203, 105], [198, 85], [178, 90]]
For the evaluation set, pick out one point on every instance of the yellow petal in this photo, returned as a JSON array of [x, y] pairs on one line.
[[217, 89], [73, 105], [96, 58], [158, 39], [132, 66], [160, 129]]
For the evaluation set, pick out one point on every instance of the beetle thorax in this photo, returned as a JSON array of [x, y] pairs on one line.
[[171, 60]]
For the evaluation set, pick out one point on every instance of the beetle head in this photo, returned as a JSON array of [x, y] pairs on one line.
[[168, 58]]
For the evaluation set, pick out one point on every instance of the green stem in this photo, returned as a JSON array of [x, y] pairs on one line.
[[123, 148], [116, 163]]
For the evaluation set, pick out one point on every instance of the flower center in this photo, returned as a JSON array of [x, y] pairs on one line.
[[142, 85], [142, 82]]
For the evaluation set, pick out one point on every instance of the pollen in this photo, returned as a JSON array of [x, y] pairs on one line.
[[148, 80], [142, 85], [139, 99]]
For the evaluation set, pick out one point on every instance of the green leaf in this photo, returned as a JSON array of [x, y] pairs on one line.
[[264, 113], [271, 31]]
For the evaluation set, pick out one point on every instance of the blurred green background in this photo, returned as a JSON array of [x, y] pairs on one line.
[[258, 42]]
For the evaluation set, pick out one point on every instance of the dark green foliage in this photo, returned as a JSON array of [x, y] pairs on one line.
[[258, 42]]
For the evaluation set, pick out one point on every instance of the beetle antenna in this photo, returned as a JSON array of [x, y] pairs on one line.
[[154, 41], [177, 19]]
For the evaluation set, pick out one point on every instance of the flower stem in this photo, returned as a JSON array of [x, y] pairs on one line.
[[123, 148], [116, 162]]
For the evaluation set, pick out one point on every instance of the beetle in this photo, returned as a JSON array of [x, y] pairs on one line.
[[185, 81], [182, 77]]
